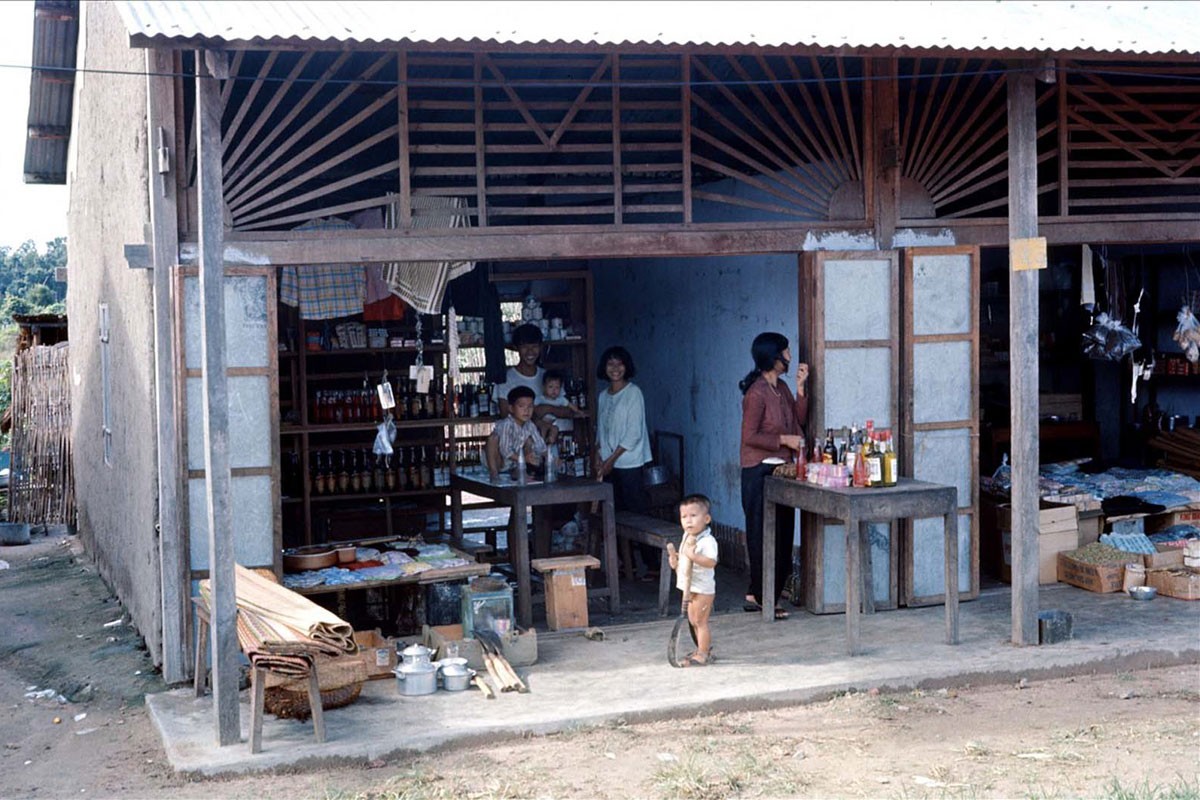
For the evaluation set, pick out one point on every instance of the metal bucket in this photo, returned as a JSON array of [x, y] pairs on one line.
[[14, 533], [655, 475]]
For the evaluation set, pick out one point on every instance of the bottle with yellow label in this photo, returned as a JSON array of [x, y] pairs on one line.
[[891, 462]]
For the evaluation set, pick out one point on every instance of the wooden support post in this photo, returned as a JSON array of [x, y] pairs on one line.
[[164, 246], [881, 183], [215, 404], [1023, 333]]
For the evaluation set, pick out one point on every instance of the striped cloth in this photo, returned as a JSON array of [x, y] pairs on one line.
[[324, 291]]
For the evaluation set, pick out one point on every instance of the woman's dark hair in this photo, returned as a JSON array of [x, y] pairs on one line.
[[766, 349], [620, 354]]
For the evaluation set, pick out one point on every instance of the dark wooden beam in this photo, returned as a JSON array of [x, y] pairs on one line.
[[1114, 229], [1023, 347]]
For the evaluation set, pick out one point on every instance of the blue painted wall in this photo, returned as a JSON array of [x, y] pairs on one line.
[[688, 324]]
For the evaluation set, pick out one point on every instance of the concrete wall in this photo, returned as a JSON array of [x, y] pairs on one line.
[[108, 207]]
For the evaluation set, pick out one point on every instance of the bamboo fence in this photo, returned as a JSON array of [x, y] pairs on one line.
[[41, 482]]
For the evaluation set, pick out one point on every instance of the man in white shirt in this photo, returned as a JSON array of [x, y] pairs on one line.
[[527, 341]]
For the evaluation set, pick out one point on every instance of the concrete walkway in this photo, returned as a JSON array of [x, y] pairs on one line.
[[578, 683]]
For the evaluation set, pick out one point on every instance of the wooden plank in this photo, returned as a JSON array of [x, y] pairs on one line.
[[234, 130], [215, 408], [299, 106], [232, 160], [480, 145], [617, 193], [881, 189], [1023, 335], [798, 123], [1064, 139], [164, 247], [251, 178]]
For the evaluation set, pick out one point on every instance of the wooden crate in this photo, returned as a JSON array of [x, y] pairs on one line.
[[566, 589], [1182, 582], [1052, 517]]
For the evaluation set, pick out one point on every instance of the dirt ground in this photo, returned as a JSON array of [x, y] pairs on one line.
[[1124, 735]]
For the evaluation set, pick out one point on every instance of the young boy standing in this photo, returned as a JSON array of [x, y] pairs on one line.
[[514, 434], [697, 553]]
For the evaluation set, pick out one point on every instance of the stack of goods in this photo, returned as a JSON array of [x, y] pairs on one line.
[[1086, 484], [1096, 567], [402, 559], [1058, 531], [1181, 450], [286, 635]]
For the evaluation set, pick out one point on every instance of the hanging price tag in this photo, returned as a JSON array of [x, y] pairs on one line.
[[386, 399], [423, 375]]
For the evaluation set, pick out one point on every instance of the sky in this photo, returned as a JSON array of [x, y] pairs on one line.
[[27, 211]]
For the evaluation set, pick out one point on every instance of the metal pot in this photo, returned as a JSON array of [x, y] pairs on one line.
[[655, 475], [456, 677], [416, 679], [416, 654]]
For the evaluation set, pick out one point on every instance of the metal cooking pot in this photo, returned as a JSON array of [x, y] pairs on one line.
[[416, 679], [456, 677], [655, 475], [416, 654]]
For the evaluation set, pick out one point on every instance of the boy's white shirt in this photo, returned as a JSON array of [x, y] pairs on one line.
[[706, 545]]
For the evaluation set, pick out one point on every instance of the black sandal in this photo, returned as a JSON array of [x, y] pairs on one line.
[[751, 607]]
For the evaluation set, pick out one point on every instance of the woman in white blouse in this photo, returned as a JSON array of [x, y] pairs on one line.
[[623, 444]]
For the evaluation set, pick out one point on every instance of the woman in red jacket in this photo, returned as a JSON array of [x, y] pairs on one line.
[[772, 431]]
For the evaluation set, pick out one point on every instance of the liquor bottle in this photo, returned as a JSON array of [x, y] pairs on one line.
[[521, 470], [874, 459], [355, 473], [891, 461], [829, 454], [493, 403], [379, 475], [801, 460], [417, 407]]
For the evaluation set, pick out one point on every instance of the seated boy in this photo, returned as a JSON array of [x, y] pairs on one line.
[[553, 413], [514, 434], [697, 555]]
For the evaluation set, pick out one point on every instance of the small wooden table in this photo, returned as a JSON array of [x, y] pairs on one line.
[[520, 497], [856, 507]]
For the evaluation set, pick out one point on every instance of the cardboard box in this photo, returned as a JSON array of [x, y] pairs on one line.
[[1052, 517], [1167, 556], [378, 653], [1180, 516], [566, 590], [1049, 546], [1182, 582], [1100, 578]]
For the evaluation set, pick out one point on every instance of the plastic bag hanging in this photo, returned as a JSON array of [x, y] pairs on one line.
[[385, 434], [1108, 339], [1187, 334]]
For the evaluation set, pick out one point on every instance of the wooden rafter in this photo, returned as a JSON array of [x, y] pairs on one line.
[[234, 128], [281, 89]]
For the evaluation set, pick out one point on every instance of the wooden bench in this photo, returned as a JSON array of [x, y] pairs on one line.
[[633, 527]]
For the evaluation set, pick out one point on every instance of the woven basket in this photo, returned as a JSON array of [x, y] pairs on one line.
[[340, 680]]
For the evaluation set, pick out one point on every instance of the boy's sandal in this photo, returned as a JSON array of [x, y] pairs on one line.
[[697, 660]]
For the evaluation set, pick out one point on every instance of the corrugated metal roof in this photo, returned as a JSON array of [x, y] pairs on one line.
[[1148, 27], [51, 90]]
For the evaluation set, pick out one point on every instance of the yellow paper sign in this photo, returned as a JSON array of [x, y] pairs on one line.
[[1026, 254]]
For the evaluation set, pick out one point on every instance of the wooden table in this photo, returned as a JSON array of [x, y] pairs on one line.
[[520, 497], [857, 507]]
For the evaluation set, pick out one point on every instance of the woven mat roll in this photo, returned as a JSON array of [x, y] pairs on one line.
[[276, 620]]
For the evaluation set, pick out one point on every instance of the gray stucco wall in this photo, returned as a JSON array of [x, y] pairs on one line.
[[108, 207]]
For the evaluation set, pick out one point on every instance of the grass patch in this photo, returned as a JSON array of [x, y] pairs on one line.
[[750, 769], [1181, 789]]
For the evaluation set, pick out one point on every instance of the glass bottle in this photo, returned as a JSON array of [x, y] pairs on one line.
[[829, 453], [874, 459], [891, 461]]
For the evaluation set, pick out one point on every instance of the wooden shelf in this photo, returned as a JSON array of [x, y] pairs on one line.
[[408, 424], [321, 498], [362, 351]]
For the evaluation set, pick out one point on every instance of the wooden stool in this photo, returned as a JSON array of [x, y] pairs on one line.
[[566, 589], [258, 676]]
